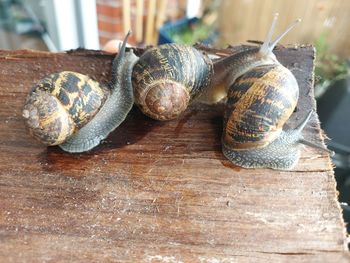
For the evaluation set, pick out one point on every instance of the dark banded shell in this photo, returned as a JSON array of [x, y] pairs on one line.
[[259, 103], [60, 104], [168, 77]]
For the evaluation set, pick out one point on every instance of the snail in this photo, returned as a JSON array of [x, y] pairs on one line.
[[168, 77], [75, 112], [261, 96]]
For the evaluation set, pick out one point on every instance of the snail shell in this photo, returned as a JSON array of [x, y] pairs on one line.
[[60, 104], [75, 112], [168, 77], [258, 105]]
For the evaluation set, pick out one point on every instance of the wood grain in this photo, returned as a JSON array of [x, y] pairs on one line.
[[158, 191]]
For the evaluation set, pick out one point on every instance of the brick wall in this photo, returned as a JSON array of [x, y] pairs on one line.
[[110, 20], [110, 17]]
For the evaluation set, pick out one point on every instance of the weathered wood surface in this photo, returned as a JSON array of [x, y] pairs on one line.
[[158, 192]]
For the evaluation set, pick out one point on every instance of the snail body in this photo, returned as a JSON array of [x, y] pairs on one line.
[[168, 77], [75, 112], [261, 96]]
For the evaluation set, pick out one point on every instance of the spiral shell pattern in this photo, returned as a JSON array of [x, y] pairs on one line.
[[168, 77]]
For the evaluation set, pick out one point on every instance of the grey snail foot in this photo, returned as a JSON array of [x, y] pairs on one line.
[[281, 154], [258, 159]]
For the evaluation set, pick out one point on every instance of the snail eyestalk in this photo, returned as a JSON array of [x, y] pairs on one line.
[[274, 43], [265, 48], [268, 46], [123, 45], [119, 59]]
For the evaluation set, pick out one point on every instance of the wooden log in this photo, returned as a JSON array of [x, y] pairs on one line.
[[158, 191]]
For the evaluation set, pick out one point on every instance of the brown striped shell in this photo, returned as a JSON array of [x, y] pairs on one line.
[[60, 104], [168, 77], [259, 103]]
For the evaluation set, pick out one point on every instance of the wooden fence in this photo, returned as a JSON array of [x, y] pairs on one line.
[[240, 20]]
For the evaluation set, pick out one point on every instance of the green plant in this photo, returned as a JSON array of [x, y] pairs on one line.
[[329, 67], [195, 32]]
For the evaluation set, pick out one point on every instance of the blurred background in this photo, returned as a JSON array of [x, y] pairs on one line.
[[57, 25]]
